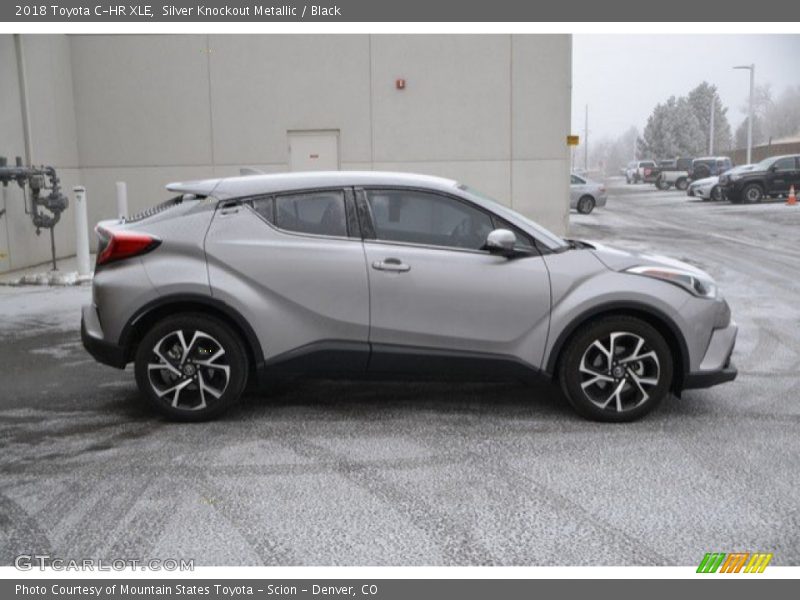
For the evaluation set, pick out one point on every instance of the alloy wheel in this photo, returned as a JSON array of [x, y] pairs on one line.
[[188, 375], [619, 371]]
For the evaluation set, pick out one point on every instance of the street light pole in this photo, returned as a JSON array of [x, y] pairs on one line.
[[752, 69], [711, 126], [586, 142]]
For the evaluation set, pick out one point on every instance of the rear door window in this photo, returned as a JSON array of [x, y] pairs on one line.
[[317, 213]]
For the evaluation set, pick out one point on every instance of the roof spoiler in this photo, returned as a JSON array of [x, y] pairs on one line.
[[245, 171], [204, 187]]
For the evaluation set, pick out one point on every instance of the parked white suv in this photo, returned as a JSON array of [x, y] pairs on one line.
[[640, 170]]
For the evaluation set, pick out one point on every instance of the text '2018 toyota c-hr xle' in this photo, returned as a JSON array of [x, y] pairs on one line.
[[389, 275]]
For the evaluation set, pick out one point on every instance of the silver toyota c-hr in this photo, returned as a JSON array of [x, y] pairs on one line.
[[395, 276]]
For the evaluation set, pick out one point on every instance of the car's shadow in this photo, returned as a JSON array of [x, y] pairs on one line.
[[370, 401]]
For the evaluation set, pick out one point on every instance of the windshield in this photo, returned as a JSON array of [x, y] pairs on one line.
[[543, 235], [764, 164]]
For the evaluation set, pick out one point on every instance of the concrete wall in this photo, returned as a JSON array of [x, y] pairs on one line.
[[490, 110], [53, 142]]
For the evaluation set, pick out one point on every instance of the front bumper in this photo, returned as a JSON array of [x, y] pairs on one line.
[[716, 366], [707, 379], [101, 350]]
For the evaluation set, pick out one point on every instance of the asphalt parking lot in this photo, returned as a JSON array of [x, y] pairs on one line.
[[430, 474]]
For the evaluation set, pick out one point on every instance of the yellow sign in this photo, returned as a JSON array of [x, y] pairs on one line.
[[573, 140]]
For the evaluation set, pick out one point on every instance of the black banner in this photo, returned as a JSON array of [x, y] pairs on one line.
[[342, 11], [389, 589]]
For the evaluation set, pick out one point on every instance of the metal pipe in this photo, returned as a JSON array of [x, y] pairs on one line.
[[81, 231], [23, 98], [122, 200]]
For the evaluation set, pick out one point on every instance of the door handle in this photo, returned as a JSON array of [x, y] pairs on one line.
[[394, 265]]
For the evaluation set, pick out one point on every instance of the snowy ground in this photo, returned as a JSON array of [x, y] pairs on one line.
[[337, 473]]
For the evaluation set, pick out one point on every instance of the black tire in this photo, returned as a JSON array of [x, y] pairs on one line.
[[212, 382], [627, 180], [585, 204], [716, 193], [752, 193], [663, 185], [619, 387], [682, 183]]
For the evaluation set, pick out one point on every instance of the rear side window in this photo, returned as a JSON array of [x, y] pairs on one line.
[[318, 213], [425, 218], [265, 207]]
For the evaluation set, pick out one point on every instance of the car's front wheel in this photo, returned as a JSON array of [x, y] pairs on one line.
[[616, 369], [753, 193], [191, 367]]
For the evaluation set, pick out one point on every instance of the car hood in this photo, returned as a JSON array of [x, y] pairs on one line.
[[705, 181], [618, 259]]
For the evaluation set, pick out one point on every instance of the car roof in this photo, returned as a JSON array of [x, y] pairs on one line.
[[249, 185]]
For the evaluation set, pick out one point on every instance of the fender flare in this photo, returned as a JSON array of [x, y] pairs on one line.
[[194, 302], [652, 315]]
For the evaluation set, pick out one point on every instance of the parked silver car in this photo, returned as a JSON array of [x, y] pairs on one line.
[[389, 275], [585, 194], [709, 188]]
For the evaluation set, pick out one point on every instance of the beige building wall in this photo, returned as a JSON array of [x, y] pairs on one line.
[[489, 110]]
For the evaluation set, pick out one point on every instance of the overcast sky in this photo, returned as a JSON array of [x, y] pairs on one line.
[[622, 77]]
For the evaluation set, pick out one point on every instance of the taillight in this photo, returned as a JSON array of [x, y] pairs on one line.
[[118, 245]]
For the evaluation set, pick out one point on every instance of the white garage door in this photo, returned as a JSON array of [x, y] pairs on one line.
[[314, 150]]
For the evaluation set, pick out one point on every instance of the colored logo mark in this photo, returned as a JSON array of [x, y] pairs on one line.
[[735, 562]]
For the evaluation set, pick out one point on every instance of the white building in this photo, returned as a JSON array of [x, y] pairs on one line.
[[490, 110]]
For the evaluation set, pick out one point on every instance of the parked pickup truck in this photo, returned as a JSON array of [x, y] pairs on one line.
[[708, 166], [640, 170], [673, 173]]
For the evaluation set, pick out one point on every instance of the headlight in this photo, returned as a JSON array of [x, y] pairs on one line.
[[697, 285]]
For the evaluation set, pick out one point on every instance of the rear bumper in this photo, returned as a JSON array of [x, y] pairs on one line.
[[101, 350]]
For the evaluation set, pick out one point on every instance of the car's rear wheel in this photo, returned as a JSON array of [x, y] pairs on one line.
[[662, 184], [616, 369], [682, 184], [585, 205], [191, 367], [716, 193]]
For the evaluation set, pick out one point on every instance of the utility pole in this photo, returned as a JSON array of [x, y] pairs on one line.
[[711, 126], [586, 141], [750, 110]]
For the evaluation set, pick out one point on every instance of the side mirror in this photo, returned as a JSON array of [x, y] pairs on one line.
[[500, 241]]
